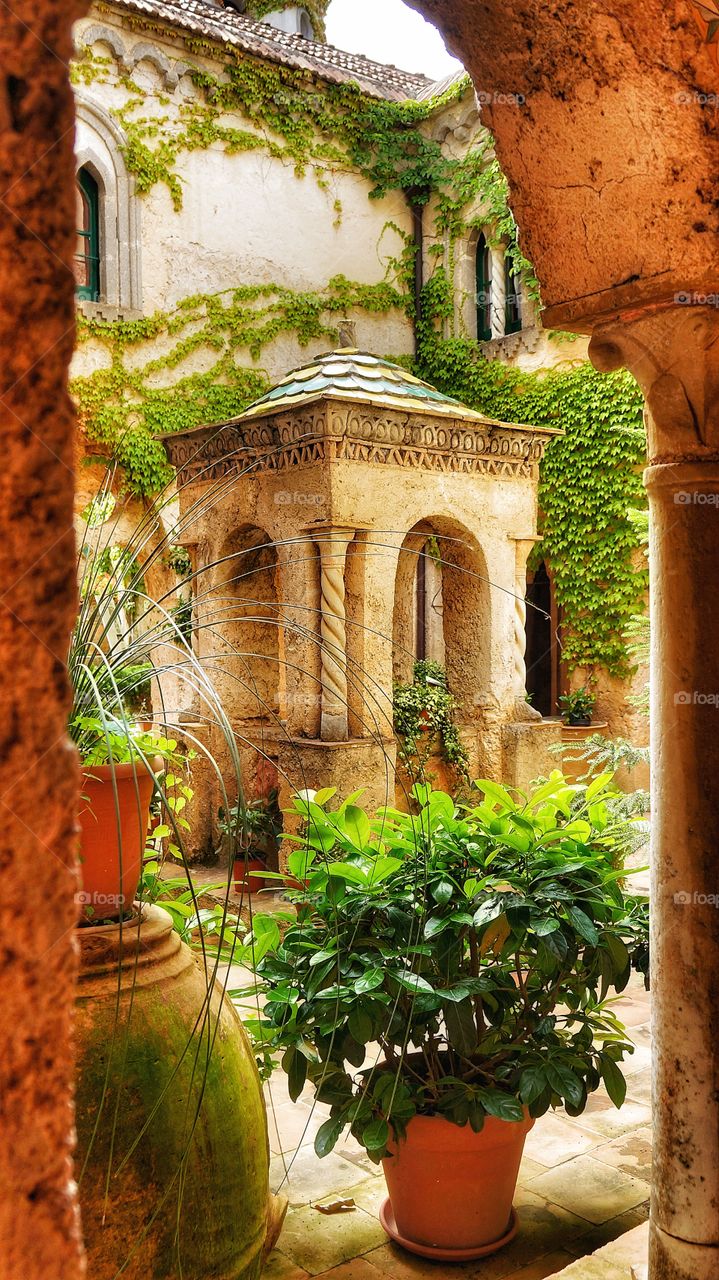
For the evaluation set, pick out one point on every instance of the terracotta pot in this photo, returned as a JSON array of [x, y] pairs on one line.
[[451, 1189], [248, 877], [113, 816], [172, 1152]]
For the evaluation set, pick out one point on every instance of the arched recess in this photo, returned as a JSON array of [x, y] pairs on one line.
[[98, 149], [442, 608], [244, 618]]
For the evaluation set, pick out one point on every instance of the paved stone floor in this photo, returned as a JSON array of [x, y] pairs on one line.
[[583, 1183]]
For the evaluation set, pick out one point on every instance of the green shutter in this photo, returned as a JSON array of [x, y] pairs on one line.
[[513, 306], [89, 237], [484, 291]]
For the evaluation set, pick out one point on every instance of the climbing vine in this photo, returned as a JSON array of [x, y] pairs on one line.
[[203, 362], [590, 480], [126, 403]]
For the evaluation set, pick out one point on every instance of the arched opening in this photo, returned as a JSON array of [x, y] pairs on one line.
[[87, 250], [442, 609], [306, 30], [543, 657], [244, 617]]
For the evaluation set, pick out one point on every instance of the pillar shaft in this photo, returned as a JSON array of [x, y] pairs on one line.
[[332, 544], [673, 355], [39, 1223]]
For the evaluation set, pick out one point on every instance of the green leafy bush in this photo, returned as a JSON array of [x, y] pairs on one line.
[[455, 962]]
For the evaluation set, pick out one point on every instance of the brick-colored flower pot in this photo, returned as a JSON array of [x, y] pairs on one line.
[[451, 1189]]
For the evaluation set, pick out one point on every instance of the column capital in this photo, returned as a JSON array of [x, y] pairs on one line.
[[673, 352]]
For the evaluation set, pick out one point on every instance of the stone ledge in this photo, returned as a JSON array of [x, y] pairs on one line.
[[623, 1259]]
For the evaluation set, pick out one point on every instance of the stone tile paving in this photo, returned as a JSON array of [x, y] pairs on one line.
[[583, 1184]]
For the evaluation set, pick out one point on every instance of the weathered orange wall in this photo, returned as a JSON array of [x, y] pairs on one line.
[[39, 1225]]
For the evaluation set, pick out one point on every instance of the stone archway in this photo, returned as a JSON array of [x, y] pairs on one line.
[[442, 567], [613, 166]]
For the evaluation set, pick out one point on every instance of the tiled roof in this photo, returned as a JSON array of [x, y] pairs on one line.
[[356, 375], [208, 19]]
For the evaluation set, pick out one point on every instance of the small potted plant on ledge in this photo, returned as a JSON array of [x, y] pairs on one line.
[[446, 982], [424, 718], [577, 707], [249, 832]]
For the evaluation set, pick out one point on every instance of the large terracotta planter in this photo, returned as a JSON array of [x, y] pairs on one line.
[[451, 1190], [114, 815], [172, 1154], [248, 877]]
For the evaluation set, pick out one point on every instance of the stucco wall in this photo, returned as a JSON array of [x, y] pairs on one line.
[[246, 219]]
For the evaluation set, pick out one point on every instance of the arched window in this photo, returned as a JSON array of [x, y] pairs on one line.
[[306, 29], [484, 290], [513, 295], [87, 252]]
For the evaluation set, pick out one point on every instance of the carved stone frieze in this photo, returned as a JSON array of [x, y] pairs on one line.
[[334, 431]]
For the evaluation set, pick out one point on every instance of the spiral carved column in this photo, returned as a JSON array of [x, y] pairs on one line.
[[523, 711], [332, 544]]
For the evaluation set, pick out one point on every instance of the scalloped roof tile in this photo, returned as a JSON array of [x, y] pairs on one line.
[[348, 374], [209, 20]]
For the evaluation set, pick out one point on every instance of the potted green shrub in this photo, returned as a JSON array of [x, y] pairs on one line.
[[578, 706], [250, 832], [446, 982], [120, 766]]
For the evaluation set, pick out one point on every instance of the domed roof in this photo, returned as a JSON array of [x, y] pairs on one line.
[[355, 375]]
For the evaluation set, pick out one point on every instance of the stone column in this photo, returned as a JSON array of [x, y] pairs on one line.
[[39, 1223], [675, 356], [332, 544], [523, 710]]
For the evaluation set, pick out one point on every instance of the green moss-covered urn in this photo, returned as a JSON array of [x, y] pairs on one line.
[[172, 1134]]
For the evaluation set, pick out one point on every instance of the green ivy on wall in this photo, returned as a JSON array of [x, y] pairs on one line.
[[141, 391], [590, 479]]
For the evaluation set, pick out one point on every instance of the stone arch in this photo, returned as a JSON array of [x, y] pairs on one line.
[[244, 617], [98, 33], [459, 600], [98, 147]]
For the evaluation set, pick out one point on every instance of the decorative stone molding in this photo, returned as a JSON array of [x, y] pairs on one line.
[[674, 355], [335, 431], [98, 33], [510, 345], [128, 58]]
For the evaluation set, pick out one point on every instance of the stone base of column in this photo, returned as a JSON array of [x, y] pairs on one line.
[[361, 762], [672, 1259], [526, 751]]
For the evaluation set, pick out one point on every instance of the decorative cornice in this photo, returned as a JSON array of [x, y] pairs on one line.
[[334, 432]]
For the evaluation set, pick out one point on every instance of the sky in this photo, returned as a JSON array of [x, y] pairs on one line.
[[387, 31]]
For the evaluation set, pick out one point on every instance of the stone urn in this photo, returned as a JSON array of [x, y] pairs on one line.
[[172, 1156]]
